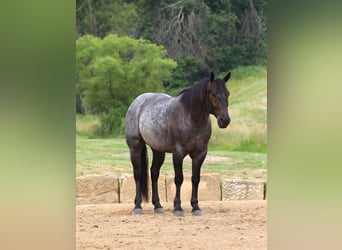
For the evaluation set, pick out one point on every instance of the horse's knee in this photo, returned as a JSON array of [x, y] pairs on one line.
[[179, 180], [195, 179], [154, 173]]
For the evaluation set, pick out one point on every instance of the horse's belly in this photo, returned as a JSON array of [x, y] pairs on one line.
[[159, 146], [156, 138]]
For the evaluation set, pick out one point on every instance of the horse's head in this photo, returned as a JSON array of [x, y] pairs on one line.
[[217, 99]]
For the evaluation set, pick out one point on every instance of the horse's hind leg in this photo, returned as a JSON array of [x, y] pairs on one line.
[[138, 155], [158, 160]]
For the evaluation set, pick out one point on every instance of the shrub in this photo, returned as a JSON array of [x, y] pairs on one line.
[[112, 123]]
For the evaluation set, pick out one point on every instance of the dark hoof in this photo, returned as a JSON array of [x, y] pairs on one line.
[[159, 210], [196, 213], [137, 211], [178, 213]]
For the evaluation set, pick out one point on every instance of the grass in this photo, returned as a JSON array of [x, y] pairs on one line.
[[242, 77], [86, 124], [100, 156], [240, 151], [248, 112]]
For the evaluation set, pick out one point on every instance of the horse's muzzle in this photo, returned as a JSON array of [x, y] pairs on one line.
[[223, 122]]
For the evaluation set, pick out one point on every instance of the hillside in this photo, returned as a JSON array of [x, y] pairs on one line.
[[248, 112]]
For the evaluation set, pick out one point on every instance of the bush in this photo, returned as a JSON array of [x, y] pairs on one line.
[[112, 71], [86, 124], [112, 123]]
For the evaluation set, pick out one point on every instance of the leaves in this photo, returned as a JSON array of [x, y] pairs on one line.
[[221, 34], [103, 17], [111, 72]]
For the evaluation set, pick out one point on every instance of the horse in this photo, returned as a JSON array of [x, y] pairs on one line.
[[179, 125]]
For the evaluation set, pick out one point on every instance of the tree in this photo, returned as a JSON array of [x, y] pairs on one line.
[[179, 26], [252, 34], [147, 18], [188, 71], [220, 34], [101, 17], [201, 35], [112, 71]]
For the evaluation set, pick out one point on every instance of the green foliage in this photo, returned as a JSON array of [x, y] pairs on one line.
[[148, 17], [188, 71], [100, 18], [111, 123], [219, 37], [222, 34], [86, 124], [112, 71]]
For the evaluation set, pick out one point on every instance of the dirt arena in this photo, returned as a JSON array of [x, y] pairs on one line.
[[224, 225]]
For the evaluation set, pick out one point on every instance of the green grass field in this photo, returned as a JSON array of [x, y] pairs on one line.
[[239, 151], [98, 156]]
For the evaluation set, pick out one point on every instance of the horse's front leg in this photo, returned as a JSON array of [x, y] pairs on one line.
[[178, 168], [197, 160]]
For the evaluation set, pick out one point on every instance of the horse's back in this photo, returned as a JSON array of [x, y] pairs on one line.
[[146, 102]]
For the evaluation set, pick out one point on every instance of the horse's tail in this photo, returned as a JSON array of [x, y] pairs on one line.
[[144, 175]]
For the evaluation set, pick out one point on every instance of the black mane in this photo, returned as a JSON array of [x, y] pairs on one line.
[[194, 100]]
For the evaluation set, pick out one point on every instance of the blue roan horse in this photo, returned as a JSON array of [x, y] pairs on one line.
[[180, 126]]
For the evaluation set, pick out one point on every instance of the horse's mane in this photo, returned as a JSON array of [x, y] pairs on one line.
[[194, 99]]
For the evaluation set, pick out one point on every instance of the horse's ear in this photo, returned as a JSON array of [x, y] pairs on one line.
[[212, 76], [226, 78]]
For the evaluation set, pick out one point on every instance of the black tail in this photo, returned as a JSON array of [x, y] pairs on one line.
[[144, 175]]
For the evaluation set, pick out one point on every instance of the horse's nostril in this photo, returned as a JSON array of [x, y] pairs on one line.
[[224, 119]]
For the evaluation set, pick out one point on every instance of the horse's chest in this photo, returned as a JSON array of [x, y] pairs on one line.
[[195, 139]]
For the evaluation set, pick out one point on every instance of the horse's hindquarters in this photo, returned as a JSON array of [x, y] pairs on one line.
[[154, 129], [147, 119]]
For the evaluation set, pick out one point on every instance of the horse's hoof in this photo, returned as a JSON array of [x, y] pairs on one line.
[[196, 213], [178, 213], [159, 210], [137, 211]]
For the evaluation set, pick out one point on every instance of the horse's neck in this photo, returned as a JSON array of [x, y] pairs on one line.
[[195, 109], [199, 115], [199, 121]]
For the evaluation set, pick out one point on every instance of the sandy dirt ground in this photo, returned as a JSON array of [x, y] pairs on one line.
[[224, 225]]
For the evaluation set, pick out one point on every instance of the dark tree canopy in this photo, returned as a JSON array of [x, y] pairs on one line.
[[221, 34]]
